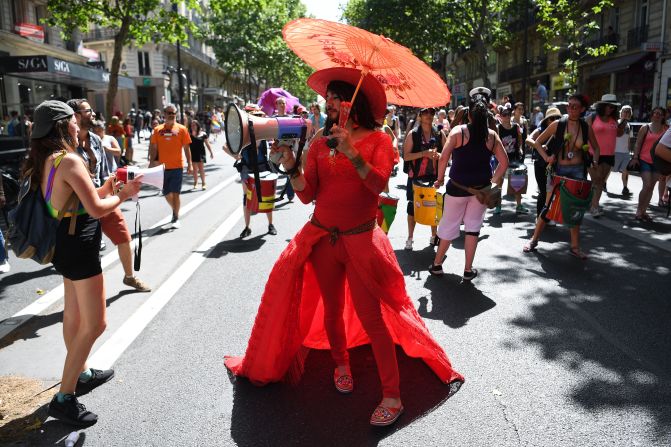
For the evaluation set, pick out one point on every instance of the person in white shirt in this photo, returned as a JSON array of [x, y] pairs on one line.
[[622, 143]]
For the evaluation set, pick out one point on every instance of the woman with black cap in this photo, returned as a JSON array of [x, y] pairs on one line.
[[65, 182], [338, 284]]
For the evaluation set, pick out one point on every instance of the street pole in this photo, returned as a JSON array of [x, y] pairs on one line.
[[180, 84]]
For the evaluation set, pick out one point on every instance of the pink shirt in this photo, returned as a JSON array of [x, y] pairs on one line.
[[646, 147], [606, 134]]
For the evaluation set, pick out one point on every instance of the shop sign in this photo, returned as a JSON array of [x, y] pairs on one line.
[[654, 47], [29, 64], [558, 82], [30, 31], [61, 66]]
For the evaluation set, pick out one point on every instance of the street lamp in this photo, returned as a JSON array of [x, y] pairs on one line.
[[169, 70]]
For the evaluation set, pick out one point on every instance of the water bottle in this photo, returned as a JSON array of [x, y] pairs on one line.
[[72, 439]]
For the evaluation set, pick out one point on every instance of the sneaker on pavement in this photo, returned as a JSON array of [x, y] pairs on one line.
[[246, 232], [468, 276], [176, 224], [271, 229], [5, 267], [596, 212], [408, 244], [103, 245], [99, 378], [136, 283], [625, 191], [497, 210], [71, 412], [521, 209]]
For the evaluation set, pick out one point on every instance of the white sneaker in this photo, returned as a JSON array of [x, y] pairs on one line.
[[5, 267], [176, 224], [408, 244]]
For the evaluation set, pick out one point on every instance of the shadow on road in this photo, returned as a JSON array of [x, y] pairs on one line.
[[453, 301], [12, 279], [314, 413], [607, 319], [32, 328], [237, 246]]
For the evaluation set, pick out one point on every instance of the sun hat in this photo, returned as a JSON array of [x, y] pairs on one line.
[[609, 98], [46, 114], [371, 87], [549, 113]]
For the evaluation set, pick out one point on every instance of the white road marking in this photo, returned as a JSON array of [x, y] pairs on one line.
[[54, 295], [112, 349]]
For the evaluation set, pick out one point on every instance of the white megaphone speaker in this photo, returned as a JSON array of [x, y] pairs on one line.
[[279, 128], [151, 176]]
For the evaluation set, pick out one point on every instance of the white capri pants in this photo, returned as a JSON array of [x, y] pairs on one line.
[[457, 210]]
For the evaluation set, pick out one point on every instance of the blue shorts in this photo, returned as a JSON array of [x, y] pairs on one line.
[[571, 171], [172, 181], [647, 167]]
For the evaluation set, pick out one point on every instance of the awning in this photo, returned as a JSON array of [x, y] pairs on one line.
[[47, 68], [620, 64]]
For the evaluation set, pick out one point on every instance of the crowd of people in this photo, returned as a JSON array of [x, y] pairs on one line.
[[340, 259]]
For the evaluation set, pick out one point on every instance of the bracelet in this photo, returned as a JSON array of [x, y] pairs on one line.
[[358, 161], [294, 172]]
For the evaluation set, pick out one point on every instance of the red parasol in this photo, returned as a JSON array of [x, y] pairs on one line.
[[407, 80]]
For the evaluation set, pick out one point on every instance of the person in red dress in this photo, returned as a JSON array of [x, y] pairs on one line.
[[338, 284]]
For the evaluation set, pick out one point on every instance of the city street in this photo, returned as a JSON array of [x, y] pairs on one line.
[[555, 351]]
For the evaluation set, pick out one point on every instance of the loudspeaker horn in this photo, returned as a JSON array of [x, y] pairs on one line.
[[279, 128]]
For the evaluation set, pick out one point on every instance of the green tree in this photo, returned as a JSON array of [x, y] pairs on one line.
[[570, 25], [135, 22], [246, 36], [433, 27]]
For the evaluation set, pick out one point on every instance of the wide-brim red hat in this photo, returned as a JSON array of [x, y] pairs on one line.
[[374, 91]]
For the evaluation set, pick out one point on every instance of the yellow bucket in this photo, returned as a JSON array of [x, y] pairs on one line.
[[439, 207], [425, 204]]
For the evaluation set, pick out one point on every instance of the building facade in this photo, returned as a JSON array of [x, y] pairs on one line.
[[36, 64]]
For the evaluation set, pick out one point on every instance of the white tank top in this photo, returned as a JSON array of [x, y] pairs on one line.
[[622, 143]]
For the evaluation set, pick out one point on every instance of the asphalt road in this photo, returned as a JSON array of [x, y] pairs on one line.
[[555, 351]]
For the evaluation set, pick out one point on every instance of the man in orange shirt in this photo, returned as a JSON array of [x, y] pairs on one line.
[[166, 145]]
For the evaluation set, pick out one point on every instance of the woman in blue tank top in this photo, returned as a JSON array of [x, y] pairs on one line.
[[471, 147]]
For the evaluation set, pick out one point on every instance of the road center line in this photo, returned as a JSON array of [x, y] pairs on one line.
[[112, 349], [55, 294]]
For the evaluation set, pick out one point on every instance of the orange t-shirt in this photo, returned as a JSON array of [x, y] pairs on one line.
[[170, 143]]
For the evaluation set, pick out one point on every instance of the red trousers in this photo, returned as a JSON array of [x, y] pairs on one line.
[[331, 267]]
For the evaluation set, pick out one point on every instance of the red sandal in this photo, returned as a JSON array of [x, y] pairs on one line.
[[343, 382], [383, 416]]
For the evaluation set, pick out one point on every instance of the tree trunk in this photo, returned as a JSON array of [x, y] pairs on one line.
[[119, 41]]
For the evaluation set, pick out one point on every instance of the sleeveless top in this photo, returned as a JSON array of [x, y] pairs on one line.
[[509, 139], [470, 165], [646, 147], [606, 134], [50, 186]]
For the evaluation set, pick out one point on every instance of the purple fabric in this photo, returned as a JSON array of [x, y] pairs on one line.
[[267, 100]]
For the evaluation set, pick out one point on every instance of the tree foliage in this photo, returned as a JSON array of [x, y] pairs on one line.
[[134, 21], [569, 25], [246, 36], [433, 27]]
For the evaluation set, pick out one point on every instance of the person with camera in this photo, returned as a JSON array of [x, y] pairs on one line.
[[65, 182], [169, 145], [421, 150], [471, 147], [568, 156], [340, 262], [113, 224]]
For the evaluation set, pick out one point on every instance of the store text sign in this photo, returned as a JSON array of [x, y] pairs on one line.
[[30, 31]]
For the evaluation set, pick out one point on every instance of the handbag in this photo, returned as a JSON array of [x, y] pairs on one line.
[[489, 195], [32, 230]]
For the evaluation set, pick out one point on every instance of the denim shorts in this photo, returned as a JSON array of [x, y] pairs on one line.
[[573, 171], [647, 167], [172, 181]]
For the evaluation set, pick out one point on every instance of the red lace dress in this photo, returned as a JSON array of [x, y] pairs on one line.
[[290, 319]]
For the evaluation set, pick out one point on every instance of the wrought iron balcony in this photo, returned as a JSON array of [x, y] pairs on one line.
[[99, 34]]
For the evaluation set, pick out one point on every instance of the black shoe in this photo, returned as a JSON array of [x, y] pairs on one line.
[[174, 218], [99, 377], [436, 270], [246, 232], [625, 191], [468, 276], [71, 412], [271, 229]]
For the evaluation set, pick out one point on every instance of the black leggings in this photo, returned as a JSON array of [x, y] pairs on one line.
[[541, 179]]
